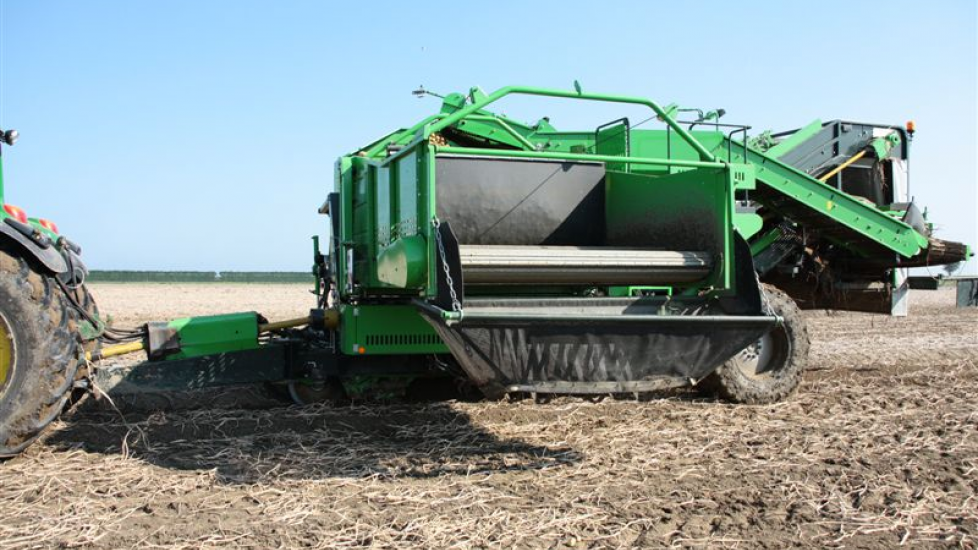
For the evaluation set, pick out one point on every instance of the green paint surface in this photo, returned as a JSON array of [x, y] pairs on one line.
[[212, 334], [387, 330]]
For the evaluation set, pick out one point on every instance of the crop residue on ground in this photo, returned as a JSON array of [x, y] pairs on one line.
[[879, 448]]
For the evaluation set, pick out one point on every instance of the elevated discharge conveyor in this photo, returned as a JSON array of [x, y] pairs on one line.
[[848, 221]]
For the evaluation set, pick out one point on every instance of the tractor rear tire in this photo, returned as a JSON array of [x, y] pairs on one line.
[[40, 352], [771, 369]]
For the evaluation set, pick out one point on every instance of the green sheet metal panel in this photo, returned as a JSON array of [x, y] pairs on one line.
[[631, 291], [426, 213], [748, 224], [387, 330], [654, 143], [215, 334], [359, 222], [401, 259], [382, 204], [343, 184], [687, 211], [407, 196], [362, 237], [613, 140]]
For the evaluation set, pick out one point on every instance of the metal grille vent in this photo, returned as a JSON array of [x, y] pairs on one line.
[[402, 339]]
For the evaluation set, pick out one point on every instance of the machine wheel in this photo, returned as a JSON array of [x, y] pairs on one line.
[[770, 369], [40, 353], [309, 393]]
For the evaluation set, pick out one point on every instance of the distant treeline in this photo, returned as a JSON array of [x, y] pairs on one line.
[[98, 276]]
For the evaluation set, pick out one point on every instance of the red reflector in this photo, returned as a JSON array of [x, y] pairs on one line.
[[49, 225], [15, 212]]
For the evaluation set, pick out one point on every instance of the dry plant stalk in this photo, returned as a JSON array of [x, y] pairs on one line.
[[878, 449]]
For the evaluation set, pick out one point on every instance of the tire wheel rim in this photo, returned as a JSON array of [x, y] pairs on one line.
[[303, 393], [7, 354], [765, 357]]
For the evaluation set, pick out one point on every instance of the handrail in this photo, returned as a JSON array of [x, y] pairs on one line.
[[704, 154]]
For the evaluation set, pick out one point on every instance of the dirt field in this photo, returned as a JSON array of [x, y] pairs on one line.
[[878, 449]]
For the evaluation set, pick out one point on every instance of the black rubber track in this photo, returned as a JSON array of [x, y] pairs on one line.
[[47, 355], [728, 382]]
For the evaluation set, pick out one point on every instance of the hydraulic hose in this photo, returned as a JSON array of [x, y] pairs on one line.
[[112, 351], [291, 323], [842, 166], [329, 320]]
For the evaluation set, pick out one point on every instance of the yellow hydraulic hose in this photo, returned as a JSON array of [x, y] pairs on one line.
[[842, 166], [284, 324], [331, 319], [111, 351]]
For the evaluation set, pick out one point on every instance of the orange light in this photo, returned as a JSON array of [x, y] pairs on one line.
[[49, 225], [362, 350], [15, 212], [911, 127]]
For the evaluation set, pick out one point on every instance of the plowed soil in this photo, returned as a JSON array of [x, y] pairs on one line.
[[878, 448]]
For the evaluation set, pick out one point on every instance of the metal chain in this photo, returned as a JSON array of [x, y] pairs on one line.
[[456, 305]]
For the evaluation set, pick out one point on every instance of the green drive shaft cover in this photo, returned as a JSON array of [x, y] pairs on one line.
[[215, 334]]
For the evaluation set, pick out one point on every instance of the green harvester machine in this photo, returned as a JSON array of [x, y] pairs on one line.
[[520, 259]]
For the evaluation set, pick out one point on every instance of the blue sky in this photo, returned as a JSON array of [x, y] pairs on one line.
[[201, 135]]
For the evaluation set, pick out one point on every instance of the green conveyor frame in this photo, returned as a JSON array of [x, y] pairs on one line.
[[789, 190]]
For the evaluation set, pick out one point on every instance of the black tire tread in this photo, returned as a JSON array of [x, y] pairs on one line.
[[730, 384], [57, 353]]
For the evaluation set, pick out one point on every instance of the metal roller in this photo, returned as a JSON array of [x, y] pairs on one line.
[[497, 264]]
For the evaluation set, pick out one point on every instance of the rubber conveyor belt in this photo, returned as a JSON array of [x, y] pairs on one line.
[[496, 264]]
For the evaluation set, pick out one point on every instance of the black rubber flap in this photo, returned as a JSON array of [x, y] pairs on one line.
[[595, 354]]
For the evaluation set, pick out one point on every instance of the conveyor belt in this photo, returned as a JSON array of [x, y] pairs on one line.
[[496, 264]]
